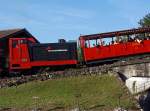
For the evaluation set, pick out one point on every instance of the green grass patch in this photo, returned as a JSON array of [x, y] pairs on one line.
[[85, 91]]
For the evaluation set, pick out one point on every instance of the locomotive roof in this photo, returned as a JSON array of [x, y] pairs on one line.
[[9, 33], [116, 33]]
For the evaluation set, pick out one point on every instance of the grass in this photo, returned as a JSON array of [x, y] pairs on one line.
[[85, 91]]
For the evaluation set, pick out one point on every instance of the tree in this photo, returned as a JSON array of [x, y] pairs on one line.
[[145, 21]]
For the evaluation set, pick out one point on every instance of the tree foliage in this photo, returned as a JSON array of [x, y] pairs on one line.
[[145, 21]]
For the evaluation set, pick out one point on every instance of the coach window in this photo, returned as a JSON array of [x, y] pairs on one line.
[[108, 41], [98, 42], [148, 36], [87, 44], [93, 43]]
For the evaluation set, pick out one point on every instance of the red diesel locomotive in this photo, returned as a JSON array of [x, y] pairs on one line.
[[20, 51]]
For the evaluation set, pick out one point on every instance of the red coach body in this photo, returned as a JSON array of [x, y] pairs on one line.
[[99, 52]]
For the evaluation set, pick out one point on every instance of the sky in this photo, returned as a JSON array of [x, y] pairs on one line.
[[50, 20]]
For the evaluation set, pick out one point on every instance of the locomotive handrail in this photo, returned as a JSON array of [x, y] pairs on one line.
[[116, 33]]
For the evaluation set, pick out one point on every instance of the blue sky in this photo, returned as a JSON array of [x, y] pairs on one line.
[[49, 20]]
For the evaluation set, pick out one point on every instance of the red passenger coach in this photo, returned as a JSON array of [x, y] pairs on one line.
[[113, 45]]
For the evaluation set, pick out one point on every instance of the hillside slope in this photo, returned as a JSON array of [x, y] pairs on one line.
[[86, 92]]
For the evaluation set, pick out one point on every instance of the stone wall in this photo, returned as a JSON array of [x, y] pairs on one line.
[[134, 70]]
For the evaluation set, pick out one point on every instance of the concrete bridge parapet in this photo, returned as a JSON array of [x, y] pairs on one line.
[[134, 70]]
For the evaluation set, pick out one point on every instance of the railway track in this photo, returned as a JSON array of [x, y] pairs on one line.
[[93, 70]]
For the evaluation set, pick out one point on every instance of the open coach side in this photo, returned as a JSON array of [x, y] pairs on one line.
[[106, 47]]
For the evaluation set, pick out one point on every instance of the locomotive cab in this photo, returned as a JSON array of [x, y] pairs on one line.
[[19, 57]]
